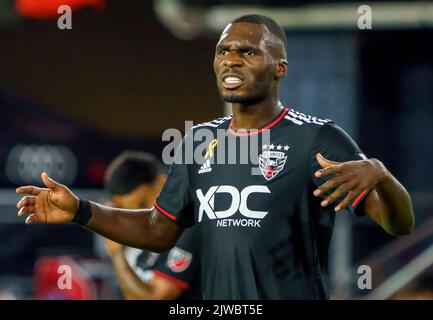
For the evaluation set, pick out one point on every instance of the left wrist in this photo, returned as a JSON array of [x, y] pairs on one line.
[[383, 174]]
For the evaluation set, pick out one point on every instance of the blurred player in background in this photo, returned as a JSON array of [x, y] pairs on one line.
[[262, 236], [133, 180]]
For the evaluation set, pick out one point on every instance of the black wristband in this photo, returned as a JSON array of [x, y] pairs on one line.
[[84, 213]]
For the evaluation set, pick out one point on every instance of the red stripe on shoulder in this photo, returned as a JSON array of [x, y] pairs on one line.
[[164, 212]]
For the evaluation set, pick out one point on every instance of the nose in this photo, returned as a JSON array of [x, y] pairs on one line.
[[232, 59]]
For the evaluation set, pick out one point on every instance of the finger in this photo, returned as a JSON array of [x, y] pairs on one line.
[[28, 190], [328, 171], [32, 218], [348, 200], [25, 201], [25, 210], [50, 183], [342, 189], [324, 163], [328, 185]]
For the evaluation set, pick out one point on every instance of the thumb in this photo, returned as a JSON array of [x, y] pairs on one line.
[[325, 163], [50, 183]]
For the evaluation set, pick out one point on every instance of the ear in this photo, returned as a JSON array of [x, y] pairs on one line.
[[281, 69]]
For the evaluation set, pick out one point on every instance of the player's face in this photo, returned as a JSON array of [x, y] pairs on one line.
[[243, 64], [135, 199], [142, 196]]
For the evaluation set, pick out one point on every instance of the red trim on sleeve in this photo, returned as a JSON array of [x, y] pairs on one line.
[[359, 198], [184, 285], [273, 123], [164, 212]]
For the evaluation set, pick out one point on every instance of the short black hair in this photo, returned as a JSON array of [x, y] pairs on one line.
[[274, 27], [129, 170]]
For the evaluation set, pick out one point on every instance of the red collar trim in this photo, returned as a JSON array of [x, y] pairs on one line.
[[273, 123]]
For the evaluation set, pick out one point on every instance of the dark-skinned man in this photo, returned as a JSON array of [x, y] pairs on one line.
[[261, 236], [133, 181]]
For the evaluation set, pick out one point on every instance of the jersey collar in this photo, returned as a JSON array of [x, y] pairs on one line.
[[270, 125]]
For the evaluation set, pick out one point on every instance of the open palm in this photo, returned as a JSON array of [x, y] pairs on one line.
[[54, 204]]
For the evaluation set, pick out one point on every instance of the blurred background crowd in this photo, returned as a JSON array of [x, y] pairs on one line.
[[72, 100]]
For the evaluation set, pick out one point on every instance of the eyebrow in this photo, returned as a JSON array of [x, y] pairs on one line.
[[242, 47]]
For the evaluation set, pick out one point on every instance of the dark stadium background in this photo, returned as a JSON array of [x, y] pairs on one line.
[[120, 77]]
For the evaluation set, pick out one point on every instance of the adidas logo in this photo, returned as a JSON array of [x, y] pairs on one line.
[[205, 167]]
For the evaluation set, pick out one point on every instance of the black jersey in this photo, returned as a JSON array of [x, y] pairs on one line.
[[262, 235], [180, 265]]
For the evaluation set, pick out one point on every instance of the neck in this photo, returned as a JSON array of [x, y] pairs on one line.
[[255, 116]]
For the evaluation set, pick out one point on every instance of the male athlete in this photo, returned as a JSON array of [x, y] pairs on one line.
[[263, 236], [133, 180]]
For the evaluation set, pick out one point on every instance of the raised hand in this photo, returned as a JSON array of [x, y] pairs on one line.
[[54, 204], [352, 178]]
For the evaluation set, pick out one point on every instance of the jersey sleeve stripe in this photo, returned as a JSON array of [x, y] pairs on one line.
[[164, 212], [359, 198], [184, 285]]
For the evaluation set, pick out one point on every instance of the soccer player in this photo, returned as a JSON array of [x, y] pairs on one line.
[[262, 236], [133, 180]]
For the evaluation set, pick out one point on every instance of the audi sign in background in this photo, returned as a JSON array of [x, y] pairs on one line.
[[35, 140], [25, 163]]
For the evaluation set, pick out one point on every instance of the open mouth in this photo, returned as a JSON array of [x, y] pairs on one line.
[[232, 82]]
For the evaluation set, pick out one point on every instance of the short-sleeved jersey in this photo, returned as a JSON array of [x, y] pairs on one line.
[[180, 265], [263, 234]]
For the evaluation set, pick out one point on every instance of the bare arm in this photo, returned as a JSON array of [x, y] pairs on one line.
[[390, 206], [146, 229]]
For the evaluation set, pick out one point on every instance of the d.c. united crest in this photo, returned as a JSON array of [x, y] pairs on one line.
[[271, 162]]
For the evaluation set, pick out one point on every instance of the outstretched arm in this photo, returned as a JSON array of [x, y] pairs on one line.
[[146, 229]]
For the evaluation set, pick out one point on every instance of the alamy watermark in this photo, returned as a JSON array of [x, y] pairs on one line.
[[365, 278], [220, 146], [365, 20], [64, 22], [64, 282]]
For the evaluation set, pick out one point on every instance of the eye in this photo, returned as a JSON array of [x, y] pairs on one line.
[[249, 53], [223, 52]]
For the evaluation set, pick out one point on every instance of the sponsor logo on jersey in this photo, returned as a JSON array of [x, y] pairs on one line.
[[272, 162], [239, 203], [178, 260], [206, 167]]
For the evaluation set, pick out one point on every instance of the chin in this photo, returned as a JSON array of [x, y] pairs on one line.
[[234, 98], [237, 98]]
